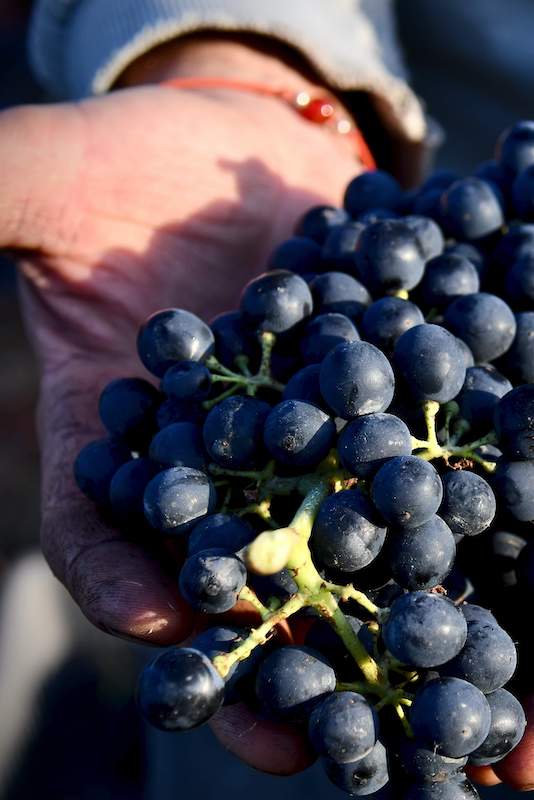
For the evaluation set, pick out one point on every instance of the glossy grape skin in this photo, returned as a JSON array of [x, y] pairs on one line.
[[127, 488], [430, 361], [427, 233], [304, 385], [179, 690], [318, 221], [127, 408], [224, 531], [276, 301], [343, 727], [323, 638], [356, 378], [421, 558], [407, 491], [427, 766], [469, 505], [446, 277], [210, 580], [424, 630], [373, 189], [518, 361], [450, 716], [187, 381], [176, 498], [455, 789], [178, 445], [95, 466], [487, 660], [234, 337], [388, 257], [340, 245], [515, 147], [512, 483], [485, 323], [347, 533], [514, 422], [506, 730], [483, 387], [337, 292], [222, 639], [298, 434], [387, 319], [297, 254], [173, 335], [364, 777], [233, 432], [292, 680], [471, 209], [366, 442], [323, 333]]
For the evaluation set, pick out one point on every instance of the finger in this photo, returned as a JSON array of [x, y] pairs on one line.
[[484, 776], [41, 152], [517, 769], [118, 584], [274, 747]]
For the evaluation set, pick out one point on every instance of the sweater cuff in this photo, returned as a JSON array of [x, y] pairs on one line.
[[80, 47]]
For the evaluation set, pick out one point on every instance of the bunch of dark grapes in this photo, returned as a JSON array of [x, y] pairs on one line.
[[353, 449]]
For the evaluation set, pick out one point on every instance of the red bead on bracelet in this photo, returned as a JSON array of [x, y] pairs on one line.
[[319, 109]]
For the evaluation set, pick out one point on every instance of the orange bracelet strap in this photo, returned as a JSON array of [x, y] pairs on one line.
[[320, 109]]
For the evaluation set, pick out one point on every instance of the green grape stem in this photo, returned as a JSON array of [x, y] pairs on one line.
[[244, 379]]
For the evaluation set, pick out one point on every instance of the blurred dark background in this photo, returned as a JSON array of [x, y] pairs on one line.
[[68, 728]]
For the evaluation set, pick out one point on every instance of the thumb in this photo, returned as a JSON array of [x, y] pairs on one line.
[[41, 153]]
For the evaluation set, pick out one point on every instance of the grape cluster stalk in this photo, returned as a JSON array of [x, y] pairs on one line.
[[351, 455]]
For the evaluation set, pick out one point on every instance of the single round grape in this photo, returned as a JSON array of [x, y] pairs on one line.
[[388, 256], [450, 716], [513, 482], [127, 488], [177, 498], [424, 630], [323, 333], [407, 491], [276, 301], [430, 361], [292, 680], [485, 323], [347, 533], [482, 389], [304, 385], [298, 434], [356, 378], [427, 233], [224, 531], [318, 221], [363, 777], [421, 558], [95, 466], [233, 432], [297, 254], [340, 245], [471, 209], [515, 147], [179, 690], [339, 293], [127, 408], [233, 338], [469, 504], [188, 380], [488, 659], [446, 277], [211, 580], [514, 422], [518, 361], [178, 445], [387, 319], [474, 613], [173, 335], [368, 441], [373, 189], [507, 727], [343, 727]]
